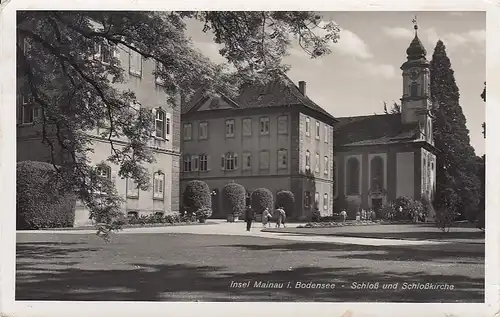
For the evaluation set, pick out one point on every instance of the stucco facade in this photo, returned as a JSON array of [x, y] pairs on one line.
[[150, 94]]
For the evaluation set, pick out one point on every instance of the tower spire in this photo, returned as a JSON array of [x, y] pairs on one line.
[[415, 25]]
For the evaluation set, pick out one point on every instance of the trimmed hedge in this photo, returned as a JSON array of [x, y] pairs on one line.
[[41, 202], [196, 196], [262, 198], [233, 199], [286, 199]]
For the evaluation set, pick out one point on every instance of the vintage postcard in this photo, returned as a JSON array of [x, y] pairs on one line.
[[160, 159]]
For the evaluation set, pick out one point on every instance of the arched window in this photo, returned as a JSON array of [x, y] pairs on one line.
[[377, 173], [414, 90], [308, 160], [352, 177]]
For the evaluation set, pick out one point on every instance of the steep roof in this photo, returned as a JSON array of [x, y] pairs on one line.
[[277, 93], [374, 129]]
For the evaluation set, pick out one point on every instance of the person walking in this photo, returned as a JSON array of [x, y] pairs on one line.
[[249, 217], [277, 214], [265, 217], [343, 215], [283, 216]]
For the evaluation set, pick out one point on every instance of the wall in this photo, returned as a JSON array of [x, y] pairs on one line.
[[405, 174]]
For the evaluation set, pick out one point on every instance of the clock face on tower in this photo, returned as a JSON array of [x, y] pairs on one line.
[[414, 73]]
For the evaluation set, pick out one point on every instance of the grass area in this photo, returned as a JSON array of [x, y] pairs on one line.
[[187, 267], [393, 231]]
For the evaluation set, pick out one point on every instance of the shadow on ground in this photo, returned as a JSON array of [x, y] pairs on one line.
[[61, 280]]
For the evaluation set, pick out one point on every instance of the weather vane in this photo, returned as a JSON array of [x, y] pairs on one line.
[[415, 25]]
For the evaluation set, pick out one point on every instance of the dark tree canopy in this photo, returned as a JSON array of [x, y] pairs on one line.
[[78, 94], [457, 182]]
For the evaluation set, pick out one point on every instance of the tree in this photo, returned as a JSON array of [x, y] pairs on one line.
[[457, 184], [78, 94], [396, 109]]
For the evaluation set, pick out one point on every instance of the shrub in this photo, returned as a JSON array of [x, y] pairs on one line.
[[41, 200], [286, 199], [196, 196], [316, 215], [233, 199], [387, 212], [204, 212], [410, 207], [428, 209], [262, 198]]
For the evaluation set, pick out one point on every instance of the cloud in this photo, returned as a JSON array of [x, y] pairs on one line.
[[453, 40], [350, 44], [387, 71], [398, 32]]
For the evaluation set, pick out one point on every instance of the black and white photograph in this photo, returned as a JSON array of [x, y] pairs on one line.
[[249, 156]]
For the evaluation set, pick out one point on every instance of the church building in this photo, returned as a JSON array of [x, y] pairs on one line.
[[379, 158]]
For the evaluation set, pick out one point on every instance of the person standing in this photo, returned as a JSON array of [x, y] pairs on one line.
[[249, 217], [265, 217], [343, 215], [283, 216]]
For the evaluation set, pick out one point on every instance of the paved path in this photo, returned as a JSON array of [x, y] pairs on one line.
[[238, 229]]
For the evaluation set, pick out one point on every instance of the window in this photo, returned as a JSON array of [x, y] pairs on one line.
[[264, 160], [282, 124], [352, 176], [187, 163], [229, 128], [167, 126], [187, 131], [317, 163], [316, 200], [203, 130], [377, 173], [264, 126], [325, 201], [317, 130], [247, 127], [307, 199], [203, 158], [327, 134], [159, 69], [26, 45], [282, 159], [158, 185], [132, 189], [308, 160], [26, 97], [247, 160], [135, 63], [30, 114], [160, 120], [414, 89], [229, 161], [308, 128], [104, 174], [104, 53], [326, 165]]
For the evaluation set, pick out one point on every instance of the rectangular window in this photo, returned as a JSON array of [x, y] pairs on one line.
[[318, 129], [104, 53], [160, 123], [282, 159], [307, 199], [26, 97], [203, 130], [132, 189], [30, 114], [327, 134], [325, 201], [264, 126], [326, 165], [158, 185], [203, 158], [282, 124], [308, 160], [194, 162], [103, 173], [231, 161], [264, 160], [187, 131], [247, 161], [247, 127], [167, 126], [317, 163], [159, 69], [135, 63], [230, 128], [308, 128], [187, 163]]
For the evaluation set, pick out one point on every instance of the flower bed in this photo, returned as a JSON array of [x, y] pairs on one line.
[[334, 224]]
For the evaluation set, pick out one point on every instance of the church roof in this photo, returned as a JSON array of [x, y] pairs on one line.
[[277, 93], [374, 129]]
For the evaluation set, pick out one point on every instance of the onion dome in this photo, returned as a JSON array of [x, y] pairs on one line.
[[416, 49]]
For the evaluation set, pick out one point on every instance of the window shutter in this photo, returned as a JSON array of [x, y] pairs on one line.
[[194, 162], [154, 120], [208, 162], [235, 160], [222, 162], [168, 123]]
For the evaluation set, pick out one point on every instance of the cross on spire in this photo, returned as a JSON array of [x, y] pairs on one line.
[[415, 25]]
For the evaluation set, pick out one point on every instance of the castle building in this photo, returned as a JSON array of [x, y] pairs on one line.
[[381, 157], [270, 136]]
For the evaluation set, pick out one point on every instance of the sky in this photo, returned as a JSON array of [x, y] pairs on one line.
[[363, 69]]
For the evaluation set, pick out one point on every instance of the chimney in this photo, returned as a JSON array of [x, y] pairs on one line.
[[302, 87]]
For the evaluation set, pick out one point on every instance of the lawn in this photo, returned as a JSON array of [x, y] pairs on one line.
[[393, 231], [186, 267]]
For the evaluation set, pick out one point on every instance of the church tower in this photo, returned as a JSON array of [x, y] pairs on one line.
[[416, 101]]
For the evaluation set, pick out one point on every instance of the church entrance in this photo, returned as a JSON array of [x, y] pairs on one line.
[[377, 205]]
